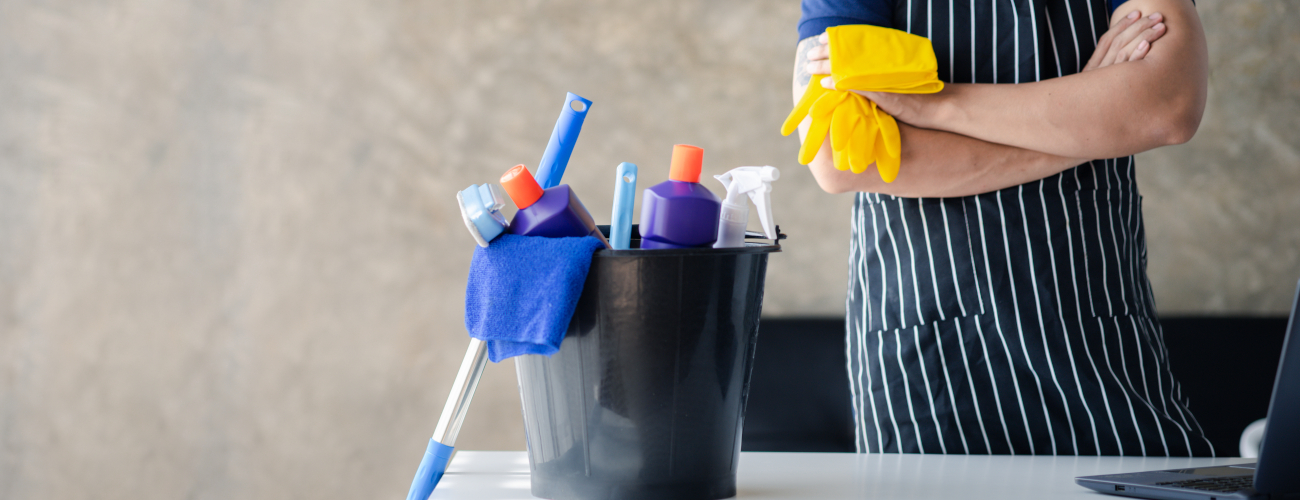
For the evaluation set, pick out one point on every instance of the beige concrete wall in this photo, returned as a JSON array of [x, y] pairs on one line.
[[1223, 211], [231, 264]]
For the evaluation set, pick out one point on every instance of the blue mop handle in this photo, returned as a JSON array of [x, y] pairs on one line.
[[620, 226], [556, 157], [443, 441], [430, 471]]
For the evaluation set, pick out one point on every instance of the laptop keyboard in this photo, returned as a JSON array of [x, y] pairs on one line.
[[1226, 484]]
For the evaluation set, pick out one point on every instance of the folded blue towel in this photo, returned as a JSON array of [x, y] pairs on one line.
[[523, 290]]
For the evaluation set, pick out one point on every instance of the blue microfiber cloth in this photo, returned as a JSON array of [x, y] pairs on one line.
[[522, 292]]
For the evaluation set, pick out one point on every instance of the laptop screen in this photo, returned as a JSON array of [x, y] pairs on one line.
[[1279, 454]]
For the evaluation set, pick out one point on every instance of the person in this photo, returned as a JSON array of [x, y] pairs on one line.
[[998, 301]]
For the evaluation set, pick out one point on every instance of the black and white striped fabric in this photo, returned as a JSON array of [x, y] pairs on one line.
[[1019, 321]]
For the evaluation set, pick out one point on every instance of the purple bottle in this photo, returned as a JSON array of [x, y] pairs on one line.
[[553, 213], [679, 212]]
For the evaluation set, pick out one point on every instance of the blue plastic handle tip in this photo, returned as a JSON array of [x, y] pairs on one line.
[[567, 127], [620, 228], [430, 471]]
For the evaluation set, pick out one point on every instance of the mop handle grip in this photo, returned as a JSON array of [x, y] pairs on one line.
[[567, 127], [462, 391]]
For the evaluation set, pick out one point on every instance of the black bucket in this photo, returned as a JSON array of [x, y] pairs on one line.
[[646, 397]]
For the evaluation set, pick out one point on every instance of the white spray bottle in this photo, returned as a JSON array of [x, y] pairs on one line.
[[755, 182]]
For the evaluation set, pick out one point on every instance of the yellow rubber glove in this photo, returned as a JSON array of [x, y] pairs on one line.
[[853, 133], [866, 58], [820, 122], [875, 59]]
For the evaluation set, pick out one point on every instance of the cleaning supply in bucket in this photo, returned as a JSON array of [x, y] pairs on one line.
[[443, 443], [567, 127], [620, 225], [872, 59], [679, 212], [645, 398], [522, 291], [480, 209], [553, 213], [519, 267], [756, 182]]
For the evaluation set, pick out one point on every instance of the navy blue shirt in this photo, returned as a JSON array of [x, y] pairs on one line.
[[821, 14]]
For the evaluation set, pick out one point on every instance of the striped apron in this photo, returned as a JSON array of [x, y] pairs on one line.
[[1019, 321]]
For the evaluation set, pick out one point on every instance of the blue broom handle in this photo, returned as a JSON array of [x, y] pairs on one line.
[[462, 391], [556, 157], [620, 226]]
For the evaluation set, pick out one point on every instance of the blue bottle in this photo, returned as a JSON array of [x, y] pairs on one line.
[[553, 213]]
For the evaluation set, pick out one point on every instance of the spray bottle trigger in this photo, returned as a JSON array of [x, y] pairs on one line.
[[755, 182], [762, 199]]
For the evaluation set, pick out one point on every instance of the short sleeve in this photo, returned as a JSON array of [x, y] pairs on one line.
[[821, 14], [1114, 4]]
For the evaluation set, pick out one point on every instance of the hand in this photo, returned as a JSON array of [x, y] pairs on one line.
[[1128, 40], [903, 107], [819, 56]]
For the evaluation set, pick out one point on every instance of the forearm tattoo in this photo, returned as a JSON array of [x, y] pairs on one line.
[[801, 75]]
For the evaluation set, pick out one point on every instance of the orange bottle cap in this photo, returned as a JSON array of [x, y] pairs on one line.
[[521, 187], [686, 164]]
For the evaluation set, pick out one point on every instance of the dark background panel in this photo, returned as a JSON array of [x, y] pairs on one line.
[[799, 395], [1226, 366]]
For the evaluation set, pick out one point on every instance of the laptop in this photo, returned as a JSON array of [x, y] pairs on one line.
[[1275, 476]]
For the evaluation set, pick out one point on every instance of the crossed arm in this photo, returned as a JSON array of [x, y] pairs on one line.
[[973, 138]]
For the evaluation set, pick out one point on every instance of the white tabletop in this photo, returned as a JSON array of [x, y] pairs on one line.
[[503, 475]]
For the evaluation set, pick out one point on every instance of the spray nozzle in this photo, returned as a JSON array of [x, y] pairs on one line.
[[755, 182]]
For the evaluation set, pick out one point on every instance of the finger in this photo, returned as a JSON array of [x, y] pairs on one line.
[[1119, 27], [841, 160], [1155, 32], [819, 127], [819, 52], [822, 67], [888, 133], [1140, 51], [842, 124], [824, 38], [1122, 25], [1123, 37], [887, 167], [1132, 32], [1104, 43], [828, 82], [1100, 52], [860, 144], [1146, 36], [810, 96], [1132, 16], [856, 153], [1095, 61], [1143, 42]]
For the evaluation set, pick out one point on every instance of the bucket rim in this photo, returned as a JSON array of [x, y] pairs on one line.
[[749, 248]]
